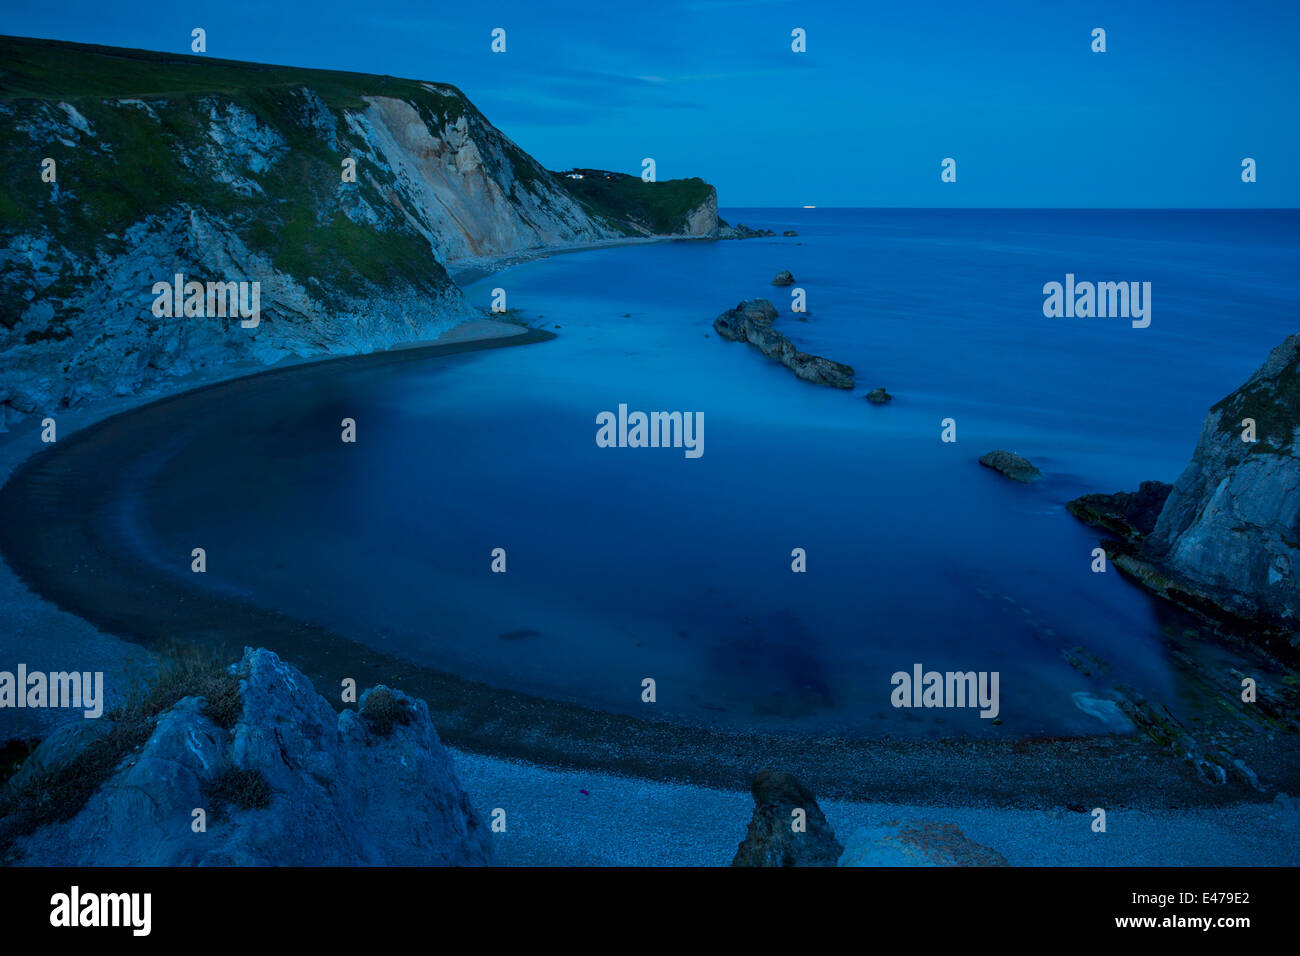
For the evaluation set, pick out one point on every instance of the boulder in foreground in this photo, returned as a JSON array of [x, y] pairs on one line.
[[283, 780], [780, 836]]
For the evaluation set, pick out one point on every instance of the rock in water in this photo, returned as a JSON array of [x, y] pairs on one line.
[[1130, 514], [1011, 465], [771, 839], [878, 396], [783, 277], [751, 321], [789, 232], [291, 783]]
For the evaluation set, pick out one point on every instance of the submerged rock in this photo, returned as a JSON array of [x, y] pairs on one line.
[[290, 783], [878, 396], [772, 838], [789, 232], [784, 277], [751, 321], [1011, 465]]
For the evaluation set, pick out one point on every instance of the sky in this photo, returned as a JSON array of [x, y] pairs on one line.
[[883, 94]]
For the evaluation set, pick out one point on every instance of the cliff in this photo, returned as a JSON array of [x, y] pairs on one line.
[[1227, 538], [128, 168]]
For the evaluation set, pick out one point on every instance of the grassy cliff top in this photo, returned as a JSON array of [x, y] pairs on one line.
[[659, 206], [54, 69]]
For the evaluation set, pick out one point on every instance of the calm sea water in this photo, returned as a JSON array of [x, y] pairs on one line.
[[632, 563]]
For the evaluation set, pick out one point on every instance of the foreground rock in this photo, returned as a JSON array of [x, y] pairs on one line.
[[916, 843], [772, 838], [784, 277], [1226, 542], [290, 783], [878, 396], [751, 321], [1011, 465]]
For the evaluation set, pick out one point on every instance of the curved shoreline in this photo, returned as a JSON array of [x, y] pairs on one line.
[[57, 509]]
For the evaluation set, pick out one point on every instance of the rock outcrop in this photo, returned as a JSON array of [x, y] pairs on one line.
[[341, 195], [1130, 514], [741, 231], [878, 396], [289, 783], [788, 827], [1012, 465], [751, 321], [1227, 539], [783, 278]]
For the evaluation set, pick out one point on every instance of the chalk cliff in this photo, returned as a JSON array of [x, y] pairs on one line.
[[342, 195], [1228, 535]]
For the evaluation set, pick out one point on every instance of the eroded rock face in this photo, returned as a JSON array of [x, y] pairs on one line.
[[773, 838], [1227, 537], [1012, 465], [751, 321], [337, 790], [1231, 526]]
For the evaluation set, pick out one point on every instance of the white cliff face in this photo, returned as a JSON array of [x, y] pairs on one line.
[[1230, 529], [703, 219], [447, 190]]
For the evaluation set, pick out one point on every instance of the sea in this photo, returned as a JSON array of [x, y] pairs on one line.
[[650, 582]]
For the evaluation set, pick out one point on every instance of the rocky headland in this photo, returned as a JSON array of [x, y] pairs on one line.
[[343, 196], [1224, 540]]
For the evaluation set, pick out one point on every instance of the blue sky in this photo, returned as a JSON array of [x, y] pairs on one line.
[[711, 88]]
